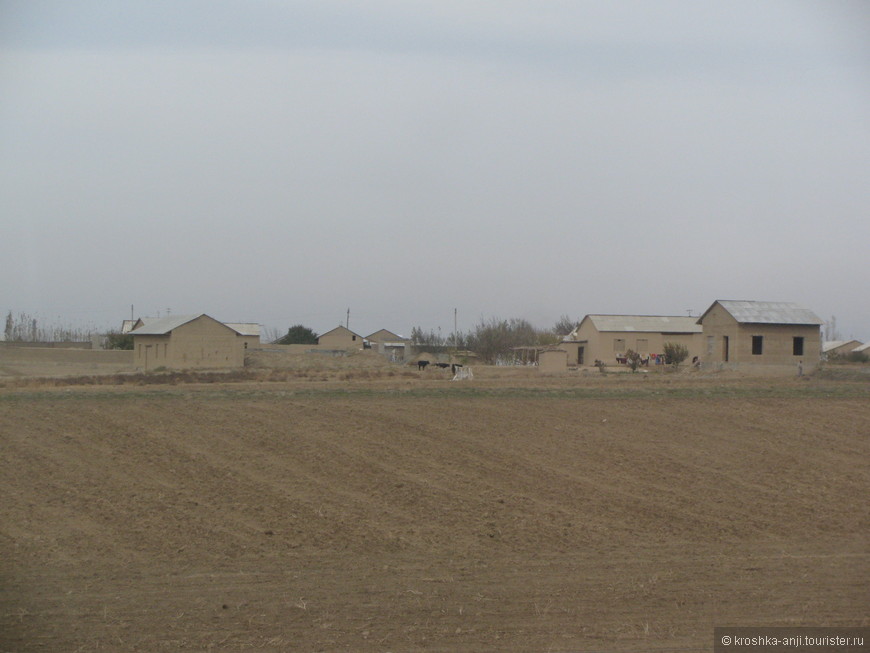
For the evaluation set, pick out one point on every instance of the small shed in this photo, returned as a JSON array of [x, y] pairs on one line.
[[249, 332], [740, 333], [553, 361]]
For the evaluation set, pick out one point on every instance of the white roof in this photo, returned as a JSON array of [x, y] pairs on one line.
[[751, 312], [642, 324], [162, 325], [157, 326], [244, 328], [863, 348], [829, 345]]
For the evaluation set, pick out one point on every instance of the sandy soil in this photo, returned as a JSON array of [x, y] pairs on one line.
[[404, 512]]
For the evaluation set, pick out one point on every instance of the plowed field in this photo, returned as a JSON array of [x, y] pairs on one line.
[[405, 516]]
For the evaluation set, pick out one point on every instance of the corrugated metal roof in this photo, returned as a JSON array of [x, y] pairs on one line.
[[646, 323], [828, 345], [751, 312], [244, 328], [162, 325]]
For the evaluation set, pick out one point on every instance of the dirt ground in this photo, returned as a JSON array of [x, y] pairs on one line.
[[391, 510]]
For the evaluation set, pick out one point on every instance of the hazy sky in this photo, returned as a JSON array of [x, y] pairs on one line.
[[282, 161]]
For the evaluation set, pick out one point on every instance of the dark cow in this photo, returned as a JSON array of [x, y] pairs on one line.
[[421, 365], [443, 366]]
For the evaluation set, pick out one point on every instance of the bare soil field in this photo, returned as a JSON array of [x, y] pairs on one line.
[[382, 509]]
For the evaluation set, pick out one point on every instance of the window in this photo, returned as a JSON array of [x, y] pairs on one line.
[[642, 346], [757, 345], [797, 346], [711, 341], [619, 345]]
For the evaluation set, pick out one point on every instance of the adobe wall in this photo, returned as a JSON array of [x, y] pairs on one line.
[[53, 355]]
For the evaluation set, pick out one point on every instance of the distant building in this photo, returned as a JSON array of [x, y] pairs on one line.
[[249, 333], [738, 334], [839, 347], [607, 338], [388, 344], [340, 338], [189, 342]]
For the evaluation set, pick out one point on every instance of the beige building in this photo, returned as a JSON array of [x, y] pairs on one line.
[[839, 347], [741, 334], [340, 338], [388, 344], [189, 341], [248, 332], [553, 361], [607, 338]]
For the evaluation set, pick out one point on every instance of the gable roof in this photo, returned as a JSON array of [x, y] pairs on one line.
[[752, 312], [339, 329], [385, 336], [829, 345], [641, 324], [162, 325]]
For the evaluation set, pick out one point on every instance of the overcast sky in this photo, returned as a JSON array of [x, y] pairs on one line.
[[281, 161]]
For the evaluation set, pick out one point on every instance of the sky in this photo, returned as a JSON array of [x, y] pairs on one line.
[[432, 162]]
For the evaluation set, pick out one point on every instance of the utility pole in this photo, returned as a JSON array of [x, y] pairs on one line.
[[455, 336], [347, 323]]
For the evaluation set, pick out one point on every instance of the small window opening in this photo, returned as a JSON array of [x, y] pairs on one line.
[[757, 345], [797, 346]]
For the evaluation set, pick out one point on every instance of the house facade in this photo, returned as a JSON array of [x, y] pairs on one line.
[[743, 334], [388, 344], [340, 338], [607, 338], [188, 342]]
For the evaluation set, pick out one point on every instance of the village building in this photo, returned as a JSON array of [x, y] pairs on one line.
[[552, 361], [388, 344], [834, 348], [249, 333], [189, 342], [340, 338], [607, 338], [751, 334]]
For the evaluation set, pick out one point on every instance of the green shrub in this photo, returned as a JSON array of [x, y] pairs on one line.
[[675, 353]]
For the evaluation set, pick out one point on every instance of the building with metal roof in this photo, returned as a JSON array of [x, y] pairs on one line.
[[839, 347], [754, 334], [607, 338], [188, 341]]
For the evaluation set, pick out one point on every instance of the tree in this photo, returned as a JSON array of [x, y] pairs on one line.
[[496, 338], [564, 326], [298, 335], [675, 353], [430, 342], [118, 340]]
